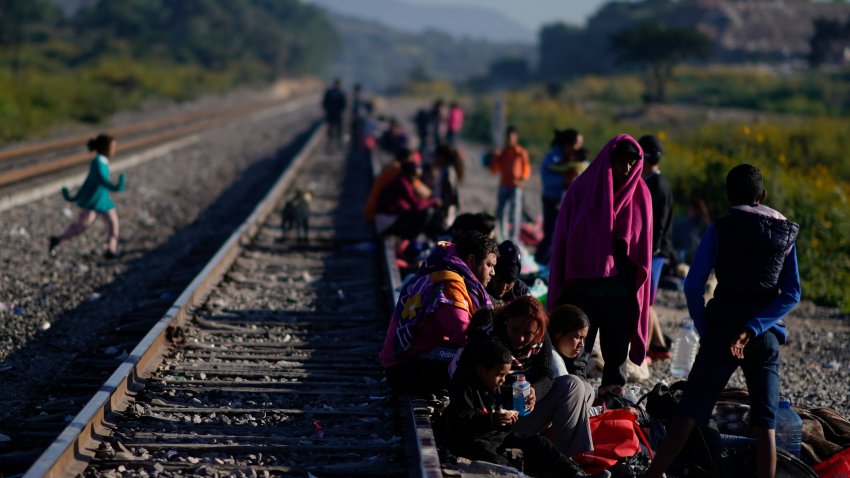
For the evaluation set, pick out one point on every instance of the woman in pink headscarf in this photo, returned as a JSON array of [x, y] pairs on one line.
[[601, 255]]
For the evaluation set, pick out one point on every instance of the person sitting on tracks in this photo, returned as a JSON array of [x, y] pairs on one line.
[[93, 197], [433, 312], [400, 211], [394, 139], [564, 402], [480, 424], [752, 252], [506, 285], [388, 175]]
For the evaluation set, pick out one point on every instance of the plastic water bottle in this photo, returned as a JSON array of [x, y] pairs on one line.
[[684, 350], [522, 389], [789, 428]]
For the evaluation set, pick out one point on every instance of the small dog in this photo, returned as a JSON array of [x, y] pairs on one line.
[[296, 214]]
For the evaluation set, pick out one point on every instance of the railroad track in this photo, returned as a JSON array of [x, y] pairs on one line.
[[90, 362], [26, 163], [267, 363]]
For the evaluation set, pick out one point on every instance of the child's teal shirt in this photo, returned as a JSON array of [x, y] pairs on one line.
[[94, 193]]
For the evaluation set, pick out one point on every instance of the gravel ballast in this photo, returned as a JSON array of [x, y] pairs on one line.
[[54, 308]]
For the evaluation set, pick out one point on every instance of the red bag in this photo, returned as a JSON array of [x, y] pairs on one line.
[[836, 466], [616, 435]]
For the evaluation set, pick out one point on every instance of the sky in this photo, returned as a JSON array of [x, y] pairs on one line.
[[531, 13]]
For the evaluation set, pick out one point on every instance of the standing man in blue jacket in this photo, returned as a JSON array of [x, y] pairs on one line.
[[752, 252]]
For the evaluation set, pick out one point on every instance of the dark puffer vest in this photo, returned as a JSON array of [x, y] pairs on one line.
[[750, 254]]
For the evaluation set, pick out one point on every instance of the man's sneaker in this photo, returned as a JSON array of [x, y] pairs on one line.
[[54, 241]]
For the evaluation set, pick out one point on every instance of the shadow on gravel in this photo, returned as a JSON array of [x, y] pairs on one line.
[[135, 300]]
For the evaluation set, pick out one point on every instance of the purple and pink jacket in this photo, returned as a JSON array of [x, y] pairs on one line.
[[434, 308]]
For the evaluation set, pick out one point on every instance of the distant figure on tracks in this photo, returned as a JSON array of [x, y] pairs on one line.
[[454, 124], [334, 104], [93, 197]]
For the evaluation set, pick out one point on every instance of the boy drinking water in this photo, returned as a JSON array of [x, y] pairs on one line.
[[752, 252], [480, 429]]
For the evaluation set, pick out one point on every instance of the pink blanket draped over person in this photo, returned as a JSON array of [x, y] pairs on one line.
[[592, 218]]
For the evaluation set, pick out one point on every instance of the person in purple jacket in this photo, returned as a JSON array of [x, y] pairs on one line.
[[752, 252]]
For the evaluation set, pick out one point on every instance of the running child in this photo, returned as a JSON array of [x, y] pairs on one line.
[[93, 197]]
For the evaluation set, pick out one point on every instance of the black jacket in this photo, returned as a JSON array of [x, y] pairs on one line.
[[662, 215], [469, 415], [751, 251]]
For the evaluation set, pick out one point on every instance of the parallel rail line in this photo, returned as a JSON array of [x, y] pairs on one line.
[[37, 160]]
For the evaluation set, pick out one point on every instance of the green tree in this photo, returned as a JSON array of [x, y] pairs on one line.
[[282, 36], [19, 19], [658, 48]]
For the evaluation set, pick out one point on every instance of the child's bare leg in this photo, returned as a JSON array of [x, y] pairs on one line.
[[656, 336], [111, 218], [84, 220], [766, 452], [672, 444]]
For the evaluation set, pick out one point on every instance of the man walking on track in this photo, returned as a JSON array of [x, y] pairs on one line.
[[334, 104]]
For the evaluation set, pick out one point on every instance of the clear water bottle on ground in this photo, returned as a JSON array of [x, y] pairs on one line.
[[684, 350], [789, 428], [522, 389]]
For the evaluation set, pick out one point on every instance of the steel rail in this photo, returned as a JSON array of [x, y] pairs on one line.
[[79, 139], [76, 445], [40, 169], [425, 458], [35, 192]]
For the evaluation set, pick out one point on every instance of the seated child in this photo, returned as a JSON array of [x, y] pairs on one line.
[[481, 429]]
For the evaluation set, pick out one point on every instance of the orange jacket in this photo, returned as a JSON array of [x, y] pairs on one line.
[[514, 165]]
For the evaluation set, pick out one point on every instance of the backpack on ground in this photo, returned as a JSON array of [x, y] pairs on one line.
[[616, 435], [702, 452]]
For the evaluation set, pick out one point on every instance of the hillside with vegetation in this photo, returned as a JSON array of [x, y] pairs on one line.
[[740, 31], [114, 54]]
